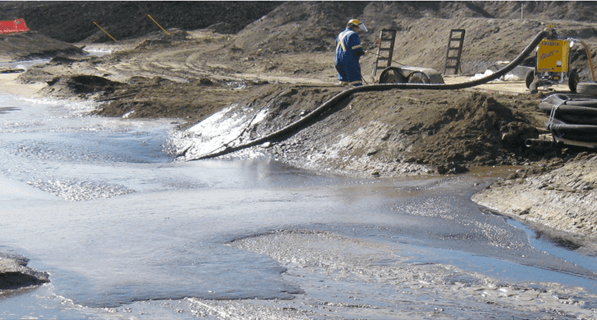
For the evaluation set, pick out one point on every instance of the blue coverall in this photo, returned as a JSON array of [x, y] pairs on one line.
[[348, 52]]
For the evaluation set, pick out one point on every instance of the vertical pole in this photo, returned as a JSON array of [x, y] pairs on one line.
[[106, 32], [521, 11]]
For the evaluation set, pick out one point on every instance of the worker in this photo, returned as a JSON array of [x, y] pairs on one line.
[[348, 52]]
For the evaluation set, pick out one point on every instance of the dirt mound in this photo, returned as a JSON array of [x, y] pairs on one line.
[[32, 45], [84, 85], [401, 131], [562, 199], [142, 97], [474, 129], [192, 101], [387, 133]]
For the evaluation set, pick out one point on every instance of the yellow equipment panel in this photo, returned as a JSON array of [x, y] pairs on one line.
[[552, 56]]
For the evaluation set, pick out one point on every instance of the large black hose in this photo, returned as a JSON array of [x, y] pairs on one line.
[[574, 132], [573, 117], [573, 108], [570, 110], [574, 100], [381, 87]]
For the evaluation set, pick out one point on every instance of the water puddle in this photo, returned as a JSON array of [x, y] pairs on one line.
[[24, 64]]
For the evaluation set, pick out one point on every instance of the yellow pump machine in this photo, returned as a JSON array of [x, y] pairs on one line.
[[553, 64], [552, 56]]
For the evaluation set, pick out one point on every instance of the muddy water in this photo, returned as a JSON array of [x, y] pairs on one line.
[[126, 232]]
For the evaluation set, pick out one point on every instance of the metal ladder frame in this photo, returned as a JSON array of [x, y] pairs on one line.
[[453, 61], [386, 37]]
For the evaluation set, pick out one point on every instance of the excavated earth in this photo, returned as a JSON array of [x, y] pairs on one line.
[[279, 67]]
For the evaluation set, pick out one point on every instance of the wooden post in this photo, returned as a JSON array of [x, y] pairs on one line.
[[106, 32], [157, 24]]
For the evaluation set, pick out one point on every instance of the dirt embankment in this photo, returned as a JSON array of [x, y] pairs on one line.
[[562, 198], [280, 66], [15, 276], [397, 132]]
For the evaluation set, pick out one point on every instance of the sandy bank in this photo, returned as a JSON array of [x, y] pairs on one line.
[[9, 84]]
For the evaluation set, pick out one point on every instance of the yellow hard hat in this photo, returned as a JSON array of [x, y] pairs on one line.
[[357, 23]]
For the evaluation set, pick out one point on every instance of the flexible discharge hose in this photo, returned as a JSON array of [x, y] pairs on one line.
[[588, 53], [380, 87]]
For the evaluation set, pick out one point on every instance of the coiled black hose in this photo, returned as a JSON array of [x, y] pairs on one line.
[[571, 108], [571, 116], [381, 87]]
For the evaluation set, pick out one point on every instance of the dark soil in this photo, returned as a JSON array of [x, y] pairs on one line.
[[191, 101]]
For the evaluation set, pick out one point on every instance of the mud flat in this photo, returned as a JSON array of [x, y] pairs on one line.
[[10, 85], [562, 199], [345, 267]]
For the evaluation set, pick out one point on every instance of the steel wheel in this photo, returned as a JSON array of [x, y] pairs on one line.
[[418, 77], [391, 75]]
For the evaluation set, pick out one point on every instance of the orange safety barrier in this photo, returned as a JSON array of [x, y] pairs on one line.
[[17, 25]]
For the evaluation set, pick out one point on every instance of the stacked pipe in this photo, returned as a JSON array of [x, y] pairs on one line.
[[572, 118]]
